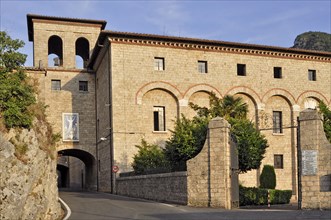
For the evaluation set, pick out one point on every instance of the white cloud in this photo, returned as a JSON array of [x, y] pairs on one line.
[[283, 16], [169, 17]]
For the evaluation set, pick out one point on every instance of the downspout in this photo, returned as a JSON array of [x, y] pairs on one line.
[[96, 128], [299, 158], [111, 139]]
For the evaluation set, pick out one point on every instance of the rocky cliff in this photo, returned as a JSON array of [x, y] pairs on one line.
[[28, 179], [313, 41]]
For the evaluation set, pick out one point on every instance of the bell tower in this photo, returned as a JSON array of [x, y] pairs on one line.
[[65, 43]]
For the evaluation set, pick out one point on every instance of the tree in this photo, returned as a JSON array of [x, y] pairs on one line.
[[10, 58], [148, 157], [268, 177], [186, 141], [250, 142], [326, 112], [189, 136], [227, 107], [16, 94]]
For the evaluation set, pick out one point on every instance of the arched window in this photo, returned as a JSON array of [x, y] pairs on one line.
[[55, 51], [82, 52]]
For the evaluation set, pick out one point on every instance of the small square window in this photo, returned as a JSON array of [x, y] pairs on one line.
[[83, 86], [278, 72], [56, 84], [202, 66], [159, 63], [312, 75], [241, 69], [277, 122], [278, 161], [159, 118]]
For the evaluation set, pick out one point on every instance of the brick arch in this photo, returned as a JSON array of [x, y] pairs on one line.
[[246, 91], [157, 85], [312, 94], [279, 92], [200, 88]]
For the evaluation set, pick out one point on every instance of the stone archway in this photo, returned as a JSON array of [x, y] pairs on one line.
[[87, 171]]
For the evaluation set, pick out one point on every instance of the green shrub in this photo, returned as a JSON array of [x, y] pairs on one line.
[[326, 112], [186, 141], [268, 177], [148, 157], [259, 196], [280, 196], [16, 95], [252, 196]]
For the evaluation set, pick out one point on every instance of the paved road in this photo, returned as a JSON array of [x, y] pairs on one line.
[[97, 206]]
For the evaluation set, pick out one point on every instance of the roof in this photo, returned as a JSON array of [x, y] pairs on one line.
[[152, 37], [51, 18]]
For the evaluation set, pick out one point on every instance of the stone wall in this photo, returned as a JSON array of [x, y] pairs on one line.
[[28, 178], [211, 179], [212, 174], [315, 162], [166, 187]]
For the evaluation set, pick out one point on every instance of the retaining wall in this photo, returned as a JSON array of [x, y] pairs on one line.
[[165, 187]]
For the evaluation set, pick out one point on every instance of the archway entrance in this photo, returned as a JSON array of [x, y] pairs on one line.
[[76, 169]]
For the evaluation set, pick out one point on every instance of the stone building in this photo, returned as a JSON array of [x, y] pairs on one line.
[[132, 86]]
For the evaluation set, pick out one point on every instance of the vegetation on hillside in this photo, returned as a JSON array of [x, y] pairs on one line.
[[16, 93], [313, 41], [18, 105]]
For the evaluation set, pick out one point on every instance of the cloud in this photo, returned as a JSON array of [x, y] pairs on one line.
[[168, 17], [281, 17]]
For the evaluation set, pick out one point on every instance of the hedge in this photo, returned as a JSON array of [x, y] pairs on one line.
[[259, 196]]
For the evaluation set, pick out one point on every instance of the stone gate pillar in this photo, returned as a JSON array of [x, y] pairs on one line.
[[315, 162], [212, 176]]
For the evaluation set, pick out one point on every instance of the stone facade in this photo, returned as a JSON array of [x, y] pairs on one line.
[[120, 109], [137, 88], [316, 170], [68, 98]]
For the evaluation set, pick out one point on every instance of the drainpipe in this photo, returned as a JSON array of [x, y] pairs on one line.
[[111, 139], [299, 164], [96, 129]]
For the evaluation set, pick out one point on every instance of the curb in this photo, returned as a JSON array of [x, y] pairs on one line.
[[66, 209]]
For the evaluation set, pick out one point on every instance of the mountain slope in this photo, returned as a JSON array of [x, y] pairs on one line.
[[313, 41]]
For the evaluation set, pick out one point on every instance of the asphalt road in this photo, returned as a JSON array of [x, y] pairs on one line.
[[95, 206]]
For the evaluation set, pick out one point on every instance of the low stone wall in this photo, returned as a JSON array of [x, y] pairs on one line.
[[165, 187], [211, 179]]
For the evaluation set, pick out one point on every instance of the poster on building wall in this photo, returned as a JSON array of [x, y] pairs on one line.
[[70, 126], [309, 162]]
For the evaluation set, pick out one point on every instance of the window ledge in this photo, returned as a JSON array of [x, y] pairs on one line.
[[160, 132], [278, 134]]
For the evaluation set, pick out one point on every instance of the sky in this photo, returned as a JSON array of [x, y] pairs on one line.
[[264, 22]]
